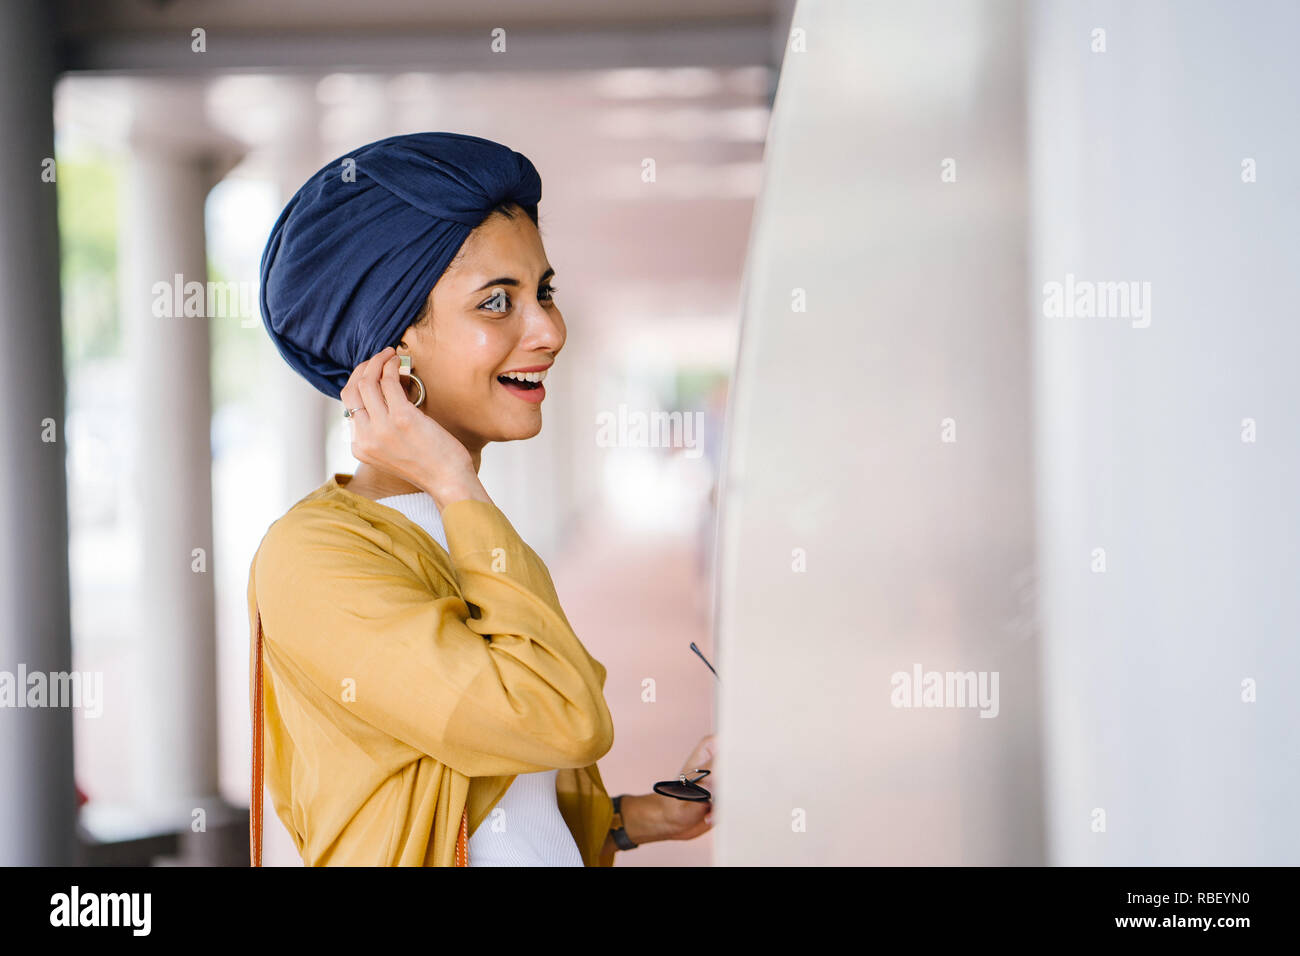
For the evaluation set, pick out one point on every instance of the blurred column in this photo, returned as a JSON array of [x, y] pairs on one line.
[[175, 158], [302, 411], [37, 804]]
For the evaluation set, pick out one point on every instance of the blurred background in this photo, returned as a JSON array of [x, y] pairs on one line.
[[826, 244]]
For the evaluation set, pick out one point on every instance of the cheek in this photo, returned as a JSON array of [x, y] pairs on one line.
[[481, 352]]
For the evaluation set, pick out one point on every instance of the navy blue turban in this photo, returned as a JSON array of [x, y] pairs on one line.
[[352, 258]]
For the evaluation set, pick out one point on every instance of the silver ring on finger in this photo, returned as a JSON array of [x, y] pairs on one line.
[[349, 412]]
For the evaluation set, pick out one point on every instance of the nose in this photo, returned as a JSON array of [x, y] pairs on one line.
[[543, 329]]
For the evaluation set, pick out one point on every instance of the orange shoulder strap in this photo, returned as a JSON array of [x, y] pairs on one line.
[[462, 840], [255, 796]]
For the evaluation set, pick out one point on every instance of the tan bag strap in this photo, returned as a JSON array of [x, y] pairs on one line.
[[255, 797]]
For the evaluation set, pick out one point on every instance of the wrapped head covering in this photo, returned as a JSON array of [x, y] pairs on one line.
[[353, 256]]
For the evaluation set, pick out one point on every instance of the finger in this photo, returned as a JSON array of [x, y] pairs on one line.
[[368, 383], [355, 399], [354, 410], [353, 406], [371, 367], [390, 383], [350, 394]]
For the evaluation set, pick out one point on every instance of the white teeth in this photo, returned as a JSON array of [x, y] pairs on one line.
[[526, 376]]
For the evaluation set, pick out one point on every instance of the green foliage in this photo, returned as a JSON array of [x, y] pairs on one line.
[[88, 201], [236, 352], [694, 384]]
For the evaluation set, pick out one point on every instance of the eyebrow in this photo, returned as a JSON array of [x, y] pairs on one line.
[[506, 280]]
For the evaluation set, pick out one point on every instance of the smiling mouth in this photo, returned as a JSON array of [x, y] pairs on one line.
[[509, 382]]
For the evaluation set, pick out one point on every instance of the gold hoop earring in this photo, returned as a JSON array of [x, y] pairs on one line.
[[404, 368]]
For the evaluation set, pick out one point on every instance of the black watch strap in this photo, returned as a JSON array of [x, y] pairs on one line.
[[621, 839]]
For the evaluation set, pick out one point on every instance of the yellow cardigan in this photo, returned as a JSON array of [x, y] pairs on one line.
[[402, 684]]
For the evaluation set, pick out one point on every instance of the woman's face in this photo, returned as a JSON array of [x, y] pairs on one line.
[[491, 312]]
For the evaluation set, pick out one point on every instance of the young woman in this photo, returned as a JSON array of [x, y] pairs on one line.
[[423, 698]]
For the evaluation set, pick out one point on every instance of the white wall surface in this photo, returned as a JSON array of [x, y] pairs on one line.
[[1137, 175], [918, 551]]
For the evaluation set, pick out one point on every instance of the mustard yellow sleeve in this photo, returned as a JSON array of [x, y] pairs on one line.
[[504, 689]]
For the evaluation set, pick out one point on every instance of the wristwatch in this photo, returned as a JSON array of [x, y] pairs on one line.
[[621, 839]]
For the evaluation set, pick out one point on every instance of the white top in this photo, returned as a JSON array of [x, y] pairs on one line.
[[525, 827]]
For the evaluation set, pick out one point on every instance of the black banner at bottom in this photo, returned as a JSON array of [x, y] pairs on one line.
[[212, 906]]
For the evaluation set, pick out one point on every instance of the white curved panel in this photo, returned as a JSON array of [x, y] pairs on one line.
[[917, 548]]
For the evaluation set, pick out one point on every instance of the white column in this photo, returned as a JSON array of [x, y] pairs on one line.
[[37, 804], [174, 160]]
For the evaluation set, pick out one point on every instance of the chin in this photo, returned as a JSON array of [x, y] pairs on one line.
[[518, 431]]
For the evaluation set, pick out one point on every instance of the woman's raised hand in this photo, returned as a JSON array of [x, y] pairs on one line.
[[391, 434]]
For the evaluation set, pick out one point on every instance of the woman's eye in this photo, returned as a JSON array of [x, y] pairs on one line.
[[499, 302]]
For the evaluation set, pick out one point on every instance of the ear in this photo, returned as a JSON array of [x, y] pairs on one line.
[[407, 338]]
